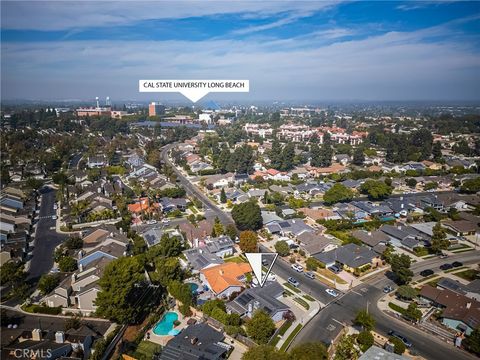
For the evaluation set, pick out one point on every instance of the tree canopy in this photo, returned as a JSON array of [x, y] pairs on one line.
[[260, 327], [248, 241], [282, 248], [337, 193], [247, 216], [439, 238], [375, 189], [400, 264], [365, 320]]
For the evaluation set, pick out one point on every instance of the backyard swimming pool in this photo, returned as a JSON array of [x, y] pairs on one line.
[[165, 326], [193, 287]]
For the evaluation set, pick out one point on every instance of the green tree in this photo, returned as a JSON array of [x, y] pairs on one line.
[[73, 243], [439, 240], [217, 228], [247, 216], [470, 186], [326, 152], [345, 349], [337, 193], [48, 282], [12, 273], [398, 345], [288, 155], [407, 292], [67, 264], [264, 352], [365, 340], [315, 155], [210, 305], [33, 183], [182, 293], [358, 156], [375, 190], [166, 270], [118, 295], [312, 264], [472, 341], [260, 327], [282, 248], [248, 241], [411, 182], [413, 312], [231, 231], [309, 350], [437, 151], [223, 196], [400, 264], [365, 320]]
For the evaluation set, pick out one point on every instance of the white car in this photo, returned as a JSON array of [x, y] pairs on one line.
[[331, 292], [165, 221], [54, 217], [297, 268], [151, 222]]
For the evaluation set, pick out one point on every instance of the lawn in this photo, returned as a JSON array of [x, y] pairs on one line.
[[396, 308], [234, 259], [469, 275], [146, 350], [291, 287], [302, 302], [290, 337], [456, 269], [329, 275], [462, 250], [308, 297]]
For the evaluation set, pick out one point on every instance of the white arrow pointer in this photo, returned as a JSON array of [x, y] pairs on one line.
[[255, 260]]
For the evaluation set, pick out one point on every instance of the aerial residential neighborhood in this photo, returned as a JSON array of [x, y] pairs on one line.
[[325, 206]]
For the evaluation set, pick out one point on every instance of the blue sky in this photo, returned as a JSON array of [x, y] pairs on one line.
[[310, 50]]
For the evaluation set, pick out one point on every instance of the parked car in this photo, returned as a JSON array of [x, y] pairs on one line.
[[442, 256], [265, 262], [335, 269], [407, 343], [54, 217], [457, 264], [427, 272], [165, 221], [297, 268], [331, 292], [151, 222], [387, 289], [309, 274], [293, 281], [446, 267]]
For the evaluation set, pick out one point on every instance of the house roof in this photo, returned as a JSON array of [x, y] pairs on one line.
[[371, 238], [195, 342], [265, 298], [376, 353], [316, 214], [95, 236], [351, 255], [462, 226], [222, 276]]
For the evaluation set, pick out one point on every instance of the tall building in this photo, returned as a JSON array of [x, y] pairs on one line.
[[155, 109]]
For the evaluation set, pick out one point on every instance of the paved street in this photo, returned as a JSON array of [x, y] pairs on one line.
[[192, 190], [342, 311], [314, 288], [46, 239]]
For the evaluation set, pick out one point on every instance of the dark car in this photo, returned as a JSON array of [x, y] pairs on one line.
[[446, 267], [426, 272], [407, 343], [335, 269], [457, 264]]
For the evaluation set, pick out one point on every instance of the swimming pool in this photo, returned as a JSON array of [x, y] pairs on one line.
[[165, 326], [193, 287]]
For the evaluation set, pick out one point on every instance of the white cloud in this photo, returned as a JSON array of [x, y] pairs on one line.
[[65, 15], [396, 65]]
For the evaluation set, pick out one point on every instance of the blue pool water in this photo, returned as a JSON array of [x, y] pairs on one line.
[[165, 326], [193, 287]]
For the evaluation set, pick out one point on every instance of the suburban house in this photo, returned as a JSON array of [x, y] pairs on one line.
[[96, 161], [265, 298], [219, 181], [403, 236], [375, 240], [225, 279], [459, 312], [290, 227], [472, 290], [193, 233], [351, 257], [153, 235], [199, 341], [318, 214], [314, 242], [461, 227]]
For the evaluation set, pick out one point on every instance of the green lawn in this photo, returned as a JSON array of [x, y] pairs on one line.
[[290, 337], [146, 350], [469, 275], [291, 287], [396, 308], [284, 327], [456, 269], [235, 259], [308, 297], [302, 302]]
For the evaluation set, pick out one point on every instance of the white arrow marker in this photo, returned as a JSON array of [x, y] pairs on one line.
[[255, 260]]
